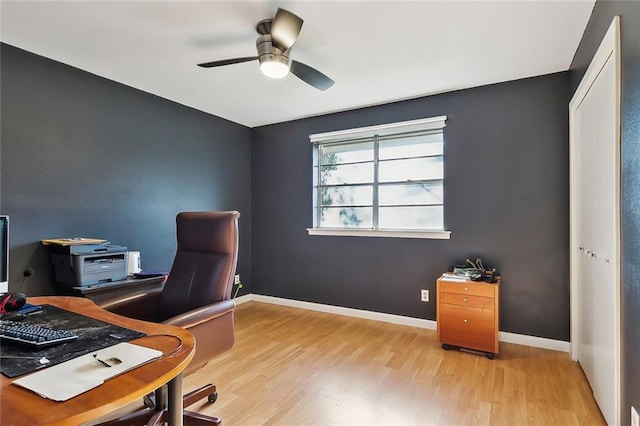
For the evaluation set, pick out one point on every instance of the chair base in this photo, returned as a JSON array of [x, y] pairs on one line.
[[150, 417], [154, 415]]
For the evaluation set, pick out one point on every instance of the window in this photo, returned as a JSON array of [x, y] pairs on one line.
[[380, 181]]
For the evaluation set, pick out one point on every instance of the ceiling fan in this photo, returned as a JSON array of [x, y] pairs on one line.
[[274, 44]]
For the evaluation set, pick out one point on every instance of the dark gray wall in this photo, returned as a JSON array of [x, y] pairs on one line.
[[85, 156], [506, 189], [629, 12]]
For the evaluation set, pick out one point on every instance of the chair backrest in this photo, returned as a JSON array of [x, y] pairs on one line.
[[205, 263]]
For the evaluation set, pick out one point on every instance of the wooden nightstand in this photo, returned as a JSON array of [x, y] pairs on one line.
[[468, 315]]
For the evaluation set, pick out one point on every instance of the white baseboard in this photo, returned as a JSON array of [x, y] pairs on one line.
[[534, 341], [503, 336], [243, 299], [350, 312]]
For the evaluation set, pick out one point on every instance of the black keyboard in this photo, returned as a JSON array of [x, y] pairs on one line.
[[33, 335]]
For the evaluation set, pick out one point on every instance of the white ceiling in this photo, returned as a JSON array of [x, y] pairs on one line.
[[376, 51]]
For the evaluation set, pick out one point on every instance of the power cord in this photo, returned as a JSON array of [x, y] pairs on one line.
[[25, 274]]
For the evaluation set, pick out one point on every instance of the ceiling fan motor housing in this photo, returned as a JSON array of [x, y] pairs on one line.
[[267, 52]]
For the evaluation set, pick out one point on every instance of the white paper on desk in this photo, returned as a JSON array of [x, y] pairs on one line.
[[71, 378]]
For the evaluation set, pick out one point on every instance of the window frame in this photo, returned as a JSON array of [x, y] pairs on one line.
[[373, 134]]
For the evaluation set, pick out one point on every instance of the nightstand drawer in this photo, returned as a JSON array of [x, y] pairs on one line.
[[469, 287], [467, 300], [472, 328]]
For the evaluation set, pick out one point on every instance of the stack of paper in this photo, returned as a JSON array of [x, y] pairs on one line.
[[73, 241], [453, 277]]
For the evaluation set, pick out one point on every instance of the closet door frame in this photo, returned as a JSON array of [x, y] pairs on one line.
[[609, 50]]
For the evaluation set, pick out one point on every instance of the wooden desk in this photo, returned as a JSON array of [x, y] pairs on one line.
[[22, 407]]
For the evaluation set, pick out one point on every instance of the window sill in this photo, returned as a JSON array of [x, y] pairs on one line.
[[387, 233]]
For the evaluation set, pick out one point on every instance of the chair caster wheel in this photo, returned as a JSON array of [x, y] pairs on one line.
[[446, 347], [491, 355], [213, 397]]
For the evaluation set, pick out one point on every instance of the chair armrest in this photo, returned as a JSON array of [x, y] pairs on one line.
[[212, 327], [203, 314], [140, 305]]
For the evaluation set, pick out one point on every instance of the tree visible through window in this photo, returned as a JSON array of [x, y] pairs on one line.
[[391, 177]]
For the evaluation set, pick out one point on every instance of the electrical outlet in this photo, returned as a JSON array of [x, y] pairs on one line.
[[424, 295], [237, 279], [635, 418]]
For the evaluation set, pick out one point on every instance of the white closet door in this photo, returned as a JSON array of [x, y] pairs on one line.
[[595, 231]]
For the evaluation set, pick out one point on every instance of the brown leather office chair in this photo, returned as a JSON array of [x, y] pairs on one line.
[[196, 296]]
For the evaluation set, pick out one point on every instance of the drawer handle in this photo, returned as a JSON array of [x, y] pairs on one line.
[[465, 289], [465, 320], [466, 299]]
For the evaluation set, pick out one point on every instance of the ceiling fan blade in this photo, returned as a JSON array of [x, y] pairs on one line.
[[311, 76], [285, 29], [227, 62]]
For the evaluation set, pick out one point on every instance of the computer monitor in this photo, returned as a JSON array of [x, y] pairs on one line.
[[4, 254]]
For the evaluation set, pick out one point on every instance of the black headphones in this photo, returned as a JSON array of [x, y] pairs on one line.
[[12, 302]]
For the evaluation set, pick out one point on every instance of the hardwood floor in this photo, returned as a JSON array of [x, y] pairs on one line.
[[297, 367]]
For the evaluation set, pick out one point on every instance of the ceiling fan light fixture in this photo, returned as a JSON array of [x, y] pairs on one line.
[[274, 68], [274, 63]]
